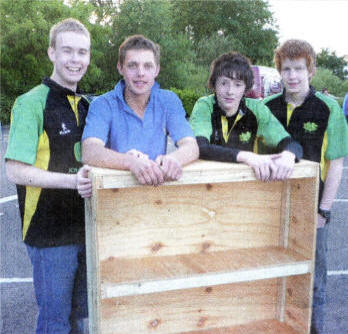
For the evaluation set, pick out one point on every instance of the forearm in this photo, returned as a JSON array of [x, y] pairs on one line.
[[28, 175], [209, 151], [331, 184], [187, 151], [95, 154]]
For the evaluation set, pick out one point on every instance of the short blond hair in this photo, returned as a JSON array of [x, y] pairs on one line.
[[294, 49], [67, 25]]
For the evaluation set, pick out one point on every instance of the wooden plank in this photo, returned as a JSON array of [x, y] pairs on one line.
[[92, 260], [257, 327], [161, 221], [122, 277], [189, 310], [303, 216], [283, 242], [146, 287], [197, 173], [299, 290]]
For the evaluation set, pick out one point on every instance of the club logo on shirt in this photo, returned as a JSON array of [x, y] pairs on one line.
[[310, 127], [244, 137], [64, 130]]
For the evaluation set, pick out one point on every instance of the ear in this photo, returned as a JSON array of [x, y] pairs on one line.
[[51, 54], [157, 70], [312, 74], [119, 68]]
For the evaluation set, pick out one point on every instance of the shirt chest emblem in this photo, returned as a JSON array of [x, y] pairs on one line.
[[64, 130], [310, 127], [244, 137]]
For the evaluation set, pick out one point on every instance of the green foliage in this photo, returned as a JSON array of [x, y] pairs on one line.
[[324, 78], [188, 98], [331, 61], [248, 23], [187, 46]]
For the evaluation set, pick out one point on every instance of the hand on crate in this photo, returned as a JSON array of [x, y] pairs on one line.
[[170, 167], [145, 170], [284, 165], [83, 183]]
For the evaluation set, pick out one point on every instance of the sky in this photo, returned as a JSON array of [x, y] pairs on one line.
[[323, 23]]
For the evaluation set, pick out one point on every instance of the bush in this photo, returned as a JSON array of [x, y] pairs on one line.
[[5, 109], [188, 98], [324, 78]]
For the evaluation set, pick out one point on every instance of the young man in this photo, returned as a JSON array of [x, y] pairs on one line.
[[317, 123], [228, 125], [127, 127], [43, 160]]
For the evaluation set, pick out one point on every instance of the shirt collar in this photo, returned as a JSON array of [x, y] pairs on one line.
[[310, 93], [120, 86], [57, 87]]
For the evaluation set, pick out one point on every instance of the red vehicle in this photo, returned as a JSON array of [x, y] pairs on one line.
[[267, 81]]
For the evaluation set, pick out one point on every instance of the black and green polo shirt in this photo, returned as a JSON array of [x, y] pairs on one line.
[[224, 137], [46, 128], [318, 125]]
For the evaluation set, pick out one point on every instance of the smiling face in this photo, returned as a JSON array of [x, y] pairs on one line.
[[295, 76], [70, 57], [229, 92], [139, 71]]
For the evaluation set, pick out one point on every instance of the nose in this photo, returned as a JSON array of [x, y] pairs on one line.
[[292, 73], [230, 90], [140, 71], [74, 56]]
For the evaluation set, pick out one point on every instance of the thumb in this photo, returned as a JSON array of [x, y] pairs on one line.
[[275, 156], [85, 170]]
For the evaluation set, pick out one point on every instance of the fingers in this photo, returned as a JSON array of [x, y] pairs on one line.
[[170, 167], [83, 183], [145, 170]]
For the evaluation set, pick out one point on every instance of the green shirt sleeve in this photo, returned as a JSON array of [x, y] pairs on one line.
[[269, 128], [337, 133], [200, 119], [26, 128]]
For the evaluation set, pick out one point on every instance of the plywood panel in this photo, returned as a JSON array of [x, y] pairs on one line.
[[257, 327], [299, 302], [151, 221], [194, 309], [303, 216]]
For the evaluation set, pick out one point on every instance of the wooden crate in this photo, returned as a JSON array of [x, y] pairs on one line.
[[215, 252]]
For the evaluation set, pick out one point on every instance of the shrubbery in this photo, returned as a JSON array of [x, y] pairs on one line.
[[188, 98]]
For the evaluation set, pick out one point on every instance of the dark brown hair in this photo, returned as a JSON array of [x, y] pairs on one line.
[[232, 65]]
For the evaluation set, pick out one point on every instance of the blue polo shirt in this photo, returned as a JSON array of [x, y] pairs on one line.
[[121, 129]]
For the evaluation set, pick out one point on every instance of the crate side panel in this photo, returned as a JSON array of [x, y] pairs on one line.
[[299, 302], [156, 221], [188, 310], [303, 216]]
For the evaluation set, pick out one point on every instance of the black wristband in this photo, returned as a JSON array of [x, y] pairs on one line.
[[325, 214]]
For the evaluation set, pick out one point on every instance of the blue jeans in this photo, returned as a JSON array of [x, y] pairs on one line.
[[60, 287], [320, 279]]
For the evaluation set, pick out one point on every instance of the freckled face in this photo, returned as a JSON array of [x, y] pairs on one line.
[[139, 71], [229, 92], [295, 75]]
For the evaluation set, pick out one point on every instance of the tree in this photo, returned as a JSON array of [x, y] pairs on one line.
[[247, 24], [153, 19], [24, 42], [324, 78], [331, 61]]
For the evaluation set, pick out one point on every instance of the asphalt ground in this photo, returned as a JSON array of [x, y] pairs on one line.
[[18, 310]]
